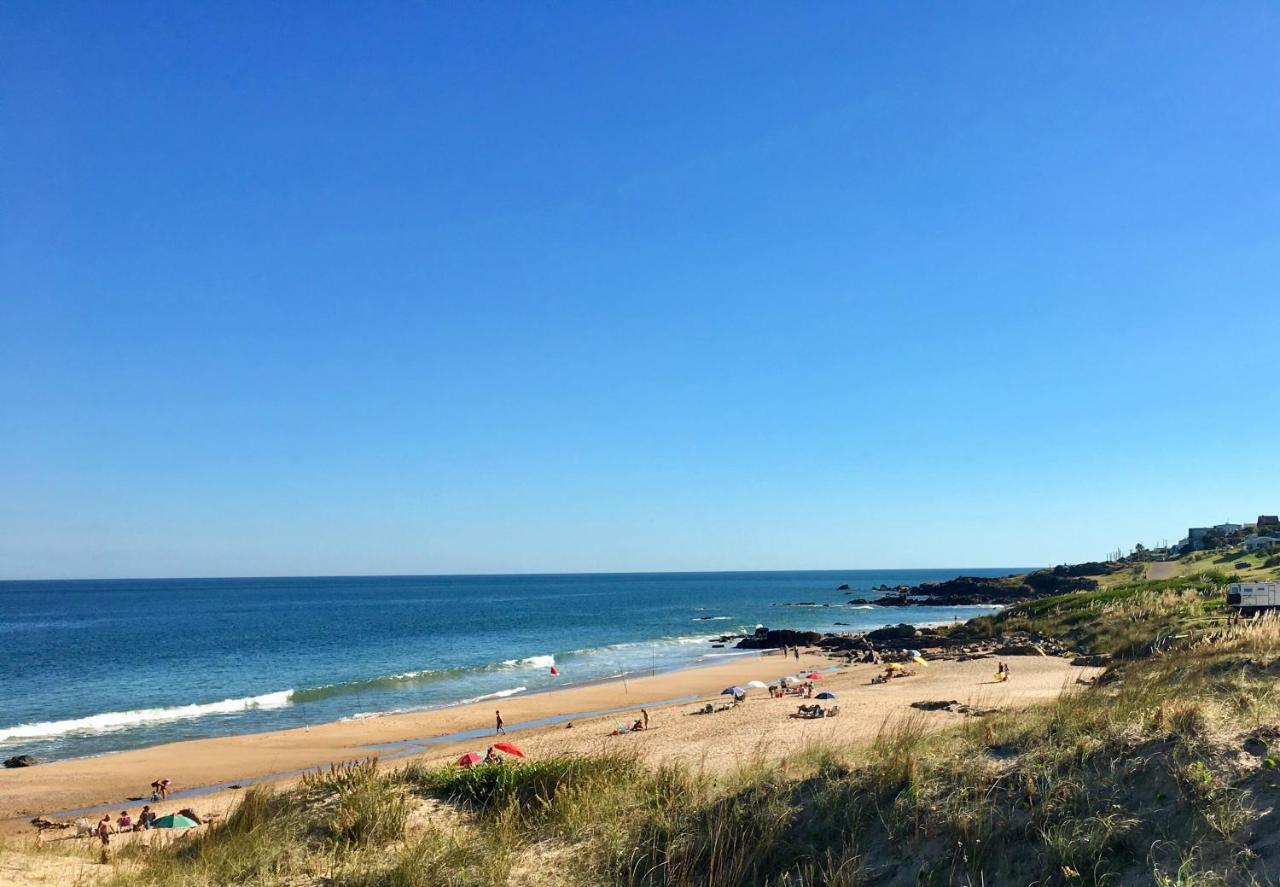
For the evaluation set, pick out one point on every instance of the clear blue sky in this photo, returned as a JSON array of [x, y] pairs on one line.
[[294, 288]]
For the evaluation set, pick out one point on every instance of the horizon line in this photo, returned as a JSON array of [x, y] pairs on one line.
[[484, 575]]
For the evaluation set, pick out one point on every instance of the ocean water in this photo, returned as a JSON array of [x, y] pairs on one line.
[[89, 667]]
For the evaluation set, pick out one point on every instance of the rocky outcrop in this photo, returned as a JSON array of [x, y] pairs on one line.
[[894, 632], [20, 761], [969, 590], [772, 638], [1018, 650]]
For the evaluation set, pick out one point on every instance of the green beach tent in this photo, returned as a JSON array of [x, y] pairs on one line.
[[174, 820]]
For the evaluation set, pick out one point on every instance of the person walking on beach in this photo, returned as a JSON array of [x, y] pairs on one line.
[[796, 650], [645, 715], [498, 723], [104, 835]]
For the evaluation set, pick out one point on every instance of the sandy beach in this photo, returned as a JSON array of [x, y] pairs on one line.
[[758, 728]]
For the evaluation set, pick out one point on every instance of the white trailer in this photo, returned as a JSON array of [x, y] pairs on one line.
[[1251, 597]]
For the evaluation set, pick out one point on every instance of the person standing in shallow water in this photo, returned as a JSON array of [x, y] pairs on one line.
[[498, 723]]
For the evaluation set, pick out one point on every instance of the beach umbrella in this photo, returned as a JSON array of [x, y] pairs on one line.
[[173, 820], [509, 748], [757, 685], [826, 696], [732, 691], [470, 759], [893, 666], [814, 676], [793, 679]]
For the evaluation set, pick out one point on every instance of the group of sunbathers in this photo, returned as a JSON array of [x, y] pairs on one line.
[[892, 670]]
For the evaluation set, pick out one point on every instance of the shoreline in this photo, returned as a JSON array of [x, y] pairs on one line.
[[92, 782], [213, 772]]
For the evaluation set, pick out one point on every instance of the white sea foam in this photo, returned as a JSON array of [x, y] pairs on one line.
[[501, 694], [123, 720], [532, 661], [863, 607]]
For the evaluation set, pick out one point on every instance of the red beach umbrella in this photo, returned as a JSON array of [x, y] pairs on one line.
[[470, 759], [509, 748], [814, 676]]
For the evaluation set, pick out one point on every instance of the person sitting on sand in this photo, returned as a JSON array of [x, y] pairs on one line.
[[146, 817], [492, 757], [125, 822]]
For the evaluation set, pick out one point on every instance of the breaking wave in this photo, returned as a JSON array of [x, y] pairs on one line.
[[532, 661], [501, 694], [123, 720]]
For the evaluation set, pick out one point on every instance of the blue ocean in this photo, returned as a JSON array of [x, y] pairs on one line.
[[89, 667]]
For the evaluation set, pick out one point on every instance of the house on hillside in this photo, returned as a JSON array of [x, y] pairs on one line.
[[1200, 538], [1259, 543], [1268, 520]]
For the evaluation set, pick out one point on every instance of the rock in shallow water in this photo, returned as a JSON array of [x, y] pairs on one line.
[[20, 761]]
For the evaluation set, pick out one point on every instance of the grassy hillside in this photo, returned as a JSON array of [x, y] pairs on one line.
[[1165, 771]]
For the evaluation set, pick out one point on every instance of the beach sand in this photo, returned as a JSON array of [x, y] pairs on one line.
[[758, 728]]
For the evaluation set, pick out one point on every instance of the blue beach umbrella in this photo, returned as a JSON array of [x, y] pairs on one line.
[[826, 696], [732, 691]]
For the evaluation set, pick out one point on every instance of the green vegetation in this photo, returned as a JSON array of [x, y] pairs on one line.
[[1129, 619], [1157, 773]]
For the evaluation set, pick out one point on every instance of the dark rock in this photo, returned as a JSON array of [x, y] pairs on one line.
[[21, 761], [1095, 660], [1019, 650], [969, 590], [893, 632], [767, 638], [842, 587], [1092, 568], [936, 705]]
